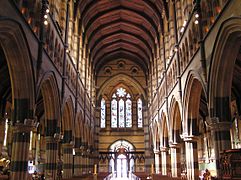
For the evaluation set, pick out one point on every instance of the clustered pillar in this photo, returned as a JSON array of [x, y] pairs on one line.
[[175, 160], [51, 157], [20, 149], [157, 161], [165, 162], [191, 157], [77, 162], [68, 160], [220, 132]]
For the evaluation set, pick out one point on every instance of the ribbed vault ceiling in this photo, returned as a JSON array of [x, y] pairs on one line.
[[121, 29]]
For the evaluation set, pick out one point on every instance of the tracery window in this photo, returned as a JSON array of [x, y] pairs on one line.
[[121, 109], [139, 113], [103, 110]]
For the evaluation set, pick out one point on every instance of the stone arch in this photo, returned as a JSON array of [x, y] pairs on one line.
[[156, 135], [16, 50], [226, 49], [195, 101], [68, 120], [175, 121], [48, 113], [194, 88], [164, 145], [77, 130], [49, 91], [115, 144], [176, 143], [127, 78], [164, 141]]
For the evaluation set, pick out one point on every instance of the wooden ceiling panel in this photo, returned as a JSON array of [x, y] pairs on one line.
[[121, 28]]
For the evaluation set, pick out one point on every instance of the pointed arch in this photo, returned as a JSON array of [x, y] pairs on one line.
[[50, 93], [194, 88], [16, 50], [175, 121], [77, 131], [164, 129], [127, 78], [68, 120], [226, 48]]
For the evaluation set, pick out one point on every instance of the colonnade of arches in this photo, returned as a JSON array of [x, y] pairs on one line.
[[191, 133], [39, 130]]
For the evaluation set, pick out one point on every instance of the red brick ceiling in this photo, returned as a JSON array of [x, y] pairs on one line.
[[121, 29]]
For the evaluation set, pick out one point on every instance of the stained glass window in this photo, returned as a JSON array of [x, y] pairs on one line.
[[121, 92], [103, 110], [121, 109], [128, 113], [114, 113], [139, 113], [121, 113]]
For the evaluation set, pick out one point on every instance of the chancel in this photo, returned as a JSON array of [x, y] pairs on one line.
[[120, 89]]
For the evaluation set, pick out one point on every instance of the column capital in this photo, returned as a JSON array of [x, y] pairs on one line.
[[156, 151], [164, 149], [190, 138], [174, 145]]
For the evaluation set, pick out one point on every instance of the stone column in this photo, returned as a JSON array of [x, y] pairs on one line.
[[20, 152], [164, 157], [51, 157], [191, 157], [149, 159], [220, 132], [32, 145], [175, 160], [2, 133], [84, 158], [42, 157], [88, 161], [68, 160], [157, 161], [77, 162]]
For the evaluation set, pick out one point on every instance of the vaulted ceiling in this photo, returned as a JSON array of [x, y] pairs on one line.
[[121, 29]]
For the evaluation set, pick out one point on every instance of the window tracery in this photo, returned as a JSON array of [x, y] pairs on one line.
[[121, 109]]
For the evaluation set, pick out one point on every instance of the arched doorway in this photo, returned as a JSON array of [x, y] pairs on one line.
[[121, 164]]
